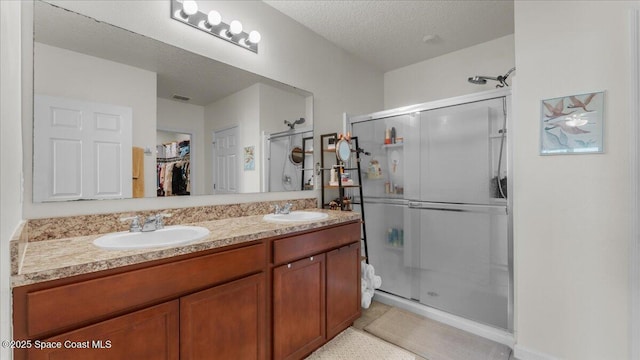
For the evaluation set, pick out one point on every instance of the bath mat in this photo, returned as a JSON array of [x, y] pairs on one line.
[[434, 340], [353, 344]]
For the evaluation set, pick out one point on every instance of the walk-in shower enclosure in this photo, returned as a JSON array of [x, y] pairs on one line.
[[289, 160], [437, 189]]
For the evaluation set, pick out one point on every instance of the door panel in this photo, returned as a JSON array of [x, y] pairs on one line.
[[387, 243], [232, 173], [66, 168], [462, 266], [225, 175], [82, 150], [456, 157], [389, 163], [224, 322], [343, 288], [108, 168], [298, 307], [146, 334]]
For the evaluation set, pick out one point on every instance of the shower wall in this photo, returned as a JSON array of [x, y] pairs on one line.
[[414, 84], [283, 174]]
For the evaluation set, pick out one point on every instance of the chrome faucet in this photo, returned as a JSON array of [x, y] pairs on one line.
[[151, 223], [285, 209], [154, 222], [135, 223]]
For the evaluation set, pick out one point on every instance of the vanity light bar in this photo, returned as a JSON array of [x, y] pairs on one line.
[[186, 11]]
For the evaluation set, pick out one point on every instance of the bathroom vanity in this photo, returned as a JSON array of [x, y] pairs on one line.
[[269, 291]]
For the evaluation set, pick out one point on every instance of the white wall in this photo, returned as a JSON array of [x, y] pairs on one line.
[[571, 218], [188, 118], [64, 73], [446, 76], [289, 53], [10, 151], [241, 109], [277, 105], [164, 137]]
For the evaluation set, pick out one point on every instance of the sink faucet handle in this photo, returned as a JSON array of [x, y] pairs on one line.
[[159, 222], [276, 209], [135, 223], [287, 208]]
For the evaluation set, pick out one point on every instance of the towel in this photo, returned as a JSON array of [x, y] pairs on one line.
[[138, 172], [370, 282]]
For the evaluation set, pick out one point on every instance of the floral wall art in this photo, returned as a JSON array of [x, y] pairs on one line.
[[572, 124], [249, 158]]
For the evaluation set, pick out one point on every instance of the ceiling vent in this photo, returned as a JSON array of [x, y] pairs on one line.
[[181, 98]]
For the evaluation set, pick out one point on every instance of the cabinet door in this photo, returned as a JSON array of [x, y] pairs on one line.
[[298, 307], [343, 288], [151, 333], [224, 322]]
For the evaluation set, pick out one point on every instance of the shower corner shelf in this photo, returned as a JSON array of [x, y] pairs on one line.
[[326, 163]]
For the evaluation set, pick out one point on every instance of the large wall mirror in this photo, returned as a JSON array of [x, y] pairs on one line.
[[121, 115]]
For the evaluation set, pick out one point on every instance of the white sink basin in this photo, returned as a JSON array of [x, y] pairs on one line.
[[295, 216], [170, 235]]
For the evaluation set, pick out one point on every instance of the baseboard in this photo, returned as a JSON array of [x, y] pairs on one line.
[[485, 331], [522, 353]]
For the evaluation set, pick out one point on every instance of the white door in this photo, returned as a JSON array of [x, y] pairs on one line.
[[225, 161], [82, 150]]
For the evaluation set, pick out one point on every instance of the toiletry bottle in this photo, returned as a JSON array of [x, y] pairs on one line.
[[387, 136], [393, 135]]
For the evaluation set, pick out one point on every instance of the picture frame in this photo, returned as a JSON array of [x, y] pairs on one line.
[[249, 158], [572, 124]]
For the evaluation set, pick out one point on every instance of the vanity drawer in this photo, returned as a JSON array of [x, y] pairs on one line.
[[299, 246], [84, 302]]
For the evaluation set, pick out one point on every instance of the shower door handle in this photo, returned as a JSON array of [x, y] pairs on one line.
[[490, 209]]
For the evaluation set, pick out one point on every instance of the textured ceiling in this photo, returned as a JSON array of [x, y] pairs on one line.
[[389, 34], [174, 66]]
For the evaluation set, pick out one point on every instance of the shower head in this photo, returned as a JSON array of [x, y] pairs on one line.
[[292, 124], [480, 80], [477, 80], [502, 79]]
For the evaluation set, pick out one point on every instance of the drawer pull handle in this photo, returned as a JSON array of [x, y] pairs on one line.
[[288, 266], [311, 258]]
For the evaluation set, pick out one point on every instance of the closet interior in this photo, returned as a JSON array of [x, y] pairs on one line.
[[173, 163]]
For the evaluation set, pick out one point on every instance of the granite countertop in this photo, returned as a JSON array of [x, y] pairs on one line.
[[56, 259]]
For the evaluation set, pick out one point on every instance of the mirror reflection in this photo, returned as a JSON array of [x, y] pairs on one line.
[[120, 115], [296, 156], [291, 165]]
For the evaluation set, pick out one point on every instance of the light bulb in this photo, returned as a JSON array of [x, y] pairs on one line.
[[214, 18], [254, 37], [189, 7], [235, 27]]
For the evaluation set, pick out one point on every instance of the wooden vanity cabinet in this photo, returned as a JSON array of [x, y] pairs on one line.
[[151, 333], [316, 288], [224, 322], [202, 306], [299, 307], [343, 288], [279, 298]]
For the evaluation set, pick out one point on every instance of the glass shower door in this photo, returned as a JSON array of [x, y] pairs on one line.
[[387, 245], [460, 259]]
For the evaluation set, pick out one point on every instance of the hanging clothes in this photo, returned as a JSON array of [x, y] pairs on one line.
[[173, 177], [168, 179]]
